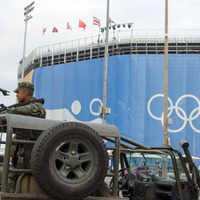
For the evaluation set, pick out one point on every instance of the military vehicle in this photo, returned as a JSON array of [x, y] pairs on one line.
[[70, 161]]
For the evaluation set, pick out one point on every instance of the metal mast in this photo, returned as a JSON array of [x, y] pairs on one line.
[[165, 119], [27, 10], [104, 110]]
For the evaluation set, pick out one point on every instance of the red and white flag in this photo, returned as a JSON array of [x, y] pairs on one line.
[[55, 30], [82, 24], [44, 31], [68, 26]]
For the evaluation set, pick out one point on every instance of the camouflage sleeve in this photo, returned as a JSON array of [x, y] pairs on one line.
[[33, 109]]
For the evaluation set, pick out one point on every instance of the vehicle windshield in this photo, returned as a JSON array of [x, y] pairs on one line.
[[154, 164]]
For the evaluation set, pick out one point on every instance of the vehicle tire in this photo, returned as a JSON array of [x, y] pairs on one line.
[[69, 161]]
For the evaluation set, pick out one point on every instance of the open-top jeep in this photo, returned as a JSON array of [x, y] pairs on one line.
[[70, 160]]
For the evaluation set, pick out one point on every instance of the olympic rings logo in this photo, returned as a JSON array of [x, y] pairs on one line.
[[195, 113]]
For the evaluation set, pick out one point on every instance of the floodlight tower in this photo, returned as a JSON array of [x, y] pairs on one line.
[[27, 10]]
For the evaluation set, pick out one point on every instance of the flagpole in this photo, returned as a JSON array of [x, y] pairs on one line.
[[52, 51], [66, 34], [92, 30], [42, 36], [42, 44], [99, 35], [77, 42], [65, 44], [104, 110]]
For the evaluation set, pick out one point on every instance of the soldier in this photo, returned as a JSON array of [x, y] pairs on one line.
[[21, 153], [25, 95]]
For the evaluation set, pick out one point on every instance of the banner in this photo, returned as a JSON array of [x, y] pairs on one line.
[[74, 92]]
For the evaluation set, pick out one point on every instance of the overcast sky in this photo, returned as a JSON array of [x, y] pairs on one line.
[[145, 14]]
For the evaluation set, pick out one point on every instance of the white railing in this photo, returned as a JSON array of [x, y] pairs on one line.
[[126, 36]]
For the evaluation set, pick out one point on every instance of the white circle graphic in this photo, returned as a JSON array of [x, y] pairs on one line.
[[76, 107], [185, 96], [91, 103], [149, 108]]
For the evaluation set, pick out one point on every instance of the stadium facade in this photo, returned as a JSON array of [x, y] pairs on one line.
[[70, 75]]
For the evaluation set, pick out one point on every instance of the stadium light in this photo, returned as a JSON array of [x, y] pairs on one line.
[[129, 25], [115, 26], [27, 10]]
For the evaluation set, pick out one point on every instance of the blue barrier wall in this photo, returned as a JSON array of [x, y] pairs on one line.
[[74, 92]]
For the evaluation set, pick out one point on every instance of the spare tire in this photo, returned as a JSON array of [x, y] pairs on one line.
[[69, 161]]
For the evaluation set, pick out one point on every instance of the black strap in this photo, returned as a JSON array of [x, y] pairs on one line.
[[3, 108]]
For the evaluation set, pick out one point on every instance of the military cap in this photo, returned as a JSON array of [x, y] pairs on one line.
[[24, 85]]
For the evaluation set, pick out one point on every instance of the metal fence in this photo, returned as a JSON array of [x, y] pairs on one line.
[[120, 43]]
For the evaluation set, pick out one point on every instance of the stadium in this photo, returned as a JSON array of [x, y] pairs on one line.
[[69, 76]]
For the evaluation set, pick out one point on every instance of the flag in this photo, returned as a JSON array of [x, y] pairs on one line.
[[111, 21], [82, 24], [44, 30], [68, 26], [55, 30], [96, 21]]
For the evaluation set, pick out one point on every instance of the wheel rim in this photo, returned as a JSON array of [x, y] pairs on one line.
[[73, 161]]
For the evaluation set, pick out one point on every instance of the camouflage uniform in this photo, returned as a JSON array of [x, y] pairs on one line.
[[21, 153], [33, 109]]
